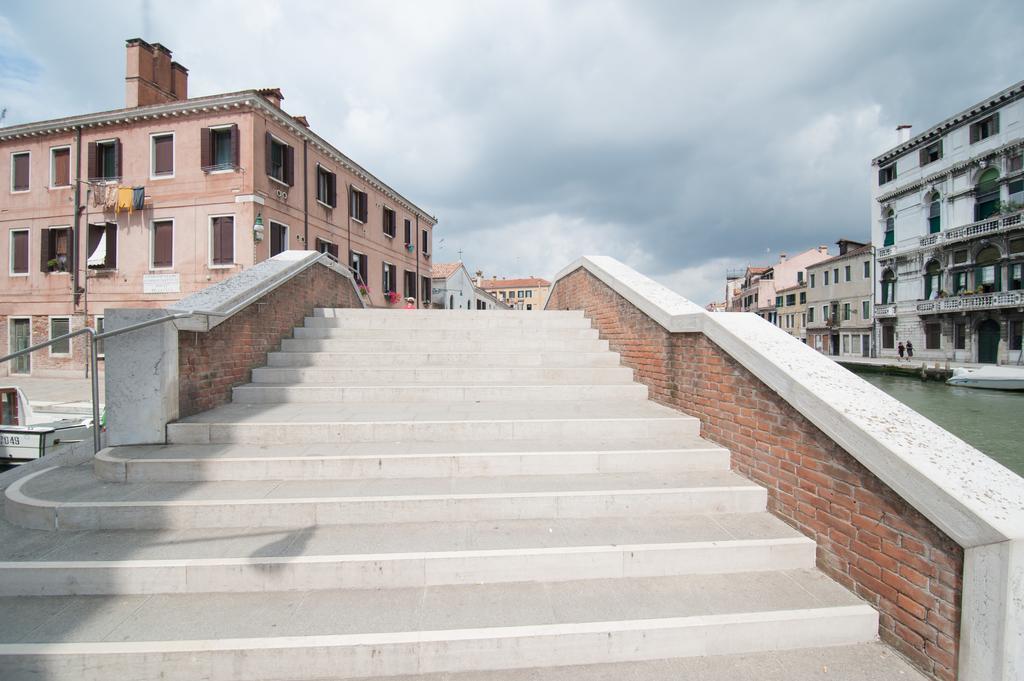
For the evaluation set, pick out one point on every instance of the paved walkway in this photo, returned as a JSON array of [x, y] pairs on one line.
[[895, 363], [68, 395]]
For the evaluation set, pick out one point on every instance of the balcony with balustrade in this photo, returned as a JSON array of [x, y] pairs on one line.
[[990, 226], [970, 302]]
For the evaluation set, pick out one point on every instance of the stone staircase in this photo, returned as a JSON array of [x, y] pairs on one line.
[[413, 493]]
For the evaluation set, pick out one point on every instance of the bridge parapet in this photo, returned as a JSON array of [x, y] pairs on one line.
[[914, 520]]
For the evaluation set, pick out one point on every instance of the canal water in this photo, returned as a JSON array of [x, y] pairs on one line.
[[988, 419]]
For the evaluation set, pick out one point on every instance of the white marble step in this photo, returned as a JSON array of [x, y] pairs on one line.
[[453, 628], [262, 393], [443, 358], [401, 313], [873, 661], [502, 344], [430, 421], [364, 461], [72, 499], [433, 320], [406, 555], [432, 335], [430, 376]]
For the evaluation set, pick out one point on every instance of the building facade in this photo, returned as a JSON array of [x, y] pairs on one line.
[[791, 310], [530, 293], [840, 318], [452, 288], [947, 209], [143, 205]]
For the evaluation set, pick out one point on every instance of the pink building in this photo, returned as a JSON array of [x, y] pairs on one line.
[[174, 194]]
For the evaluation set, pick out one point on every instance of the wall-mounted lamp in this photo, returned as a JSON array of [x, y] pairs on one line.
[[257, 229]]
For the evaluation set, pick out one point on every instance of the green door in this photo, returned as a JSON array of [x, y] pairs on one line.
[[988, 342], [20, 339]]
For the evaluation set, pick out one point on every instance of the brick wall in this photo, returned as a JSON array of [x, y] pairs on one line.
[[212, 363], [869, 539]]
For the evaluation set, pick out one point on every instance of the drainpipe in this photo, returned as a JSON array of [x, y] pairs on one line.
[[305, 193], [416, 253], [78, 212], [348, 224]]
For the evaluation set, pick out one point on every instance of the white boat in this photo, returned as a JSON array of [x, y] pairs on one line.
[[993, 378], [27, 435]]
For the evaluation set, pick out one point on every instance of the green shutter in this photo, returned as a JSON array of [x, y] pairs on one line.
[[997, 279], [927, 286]]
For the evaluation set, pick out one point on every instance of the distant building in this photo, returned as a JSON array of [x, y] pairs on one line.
[[757, 289], [140, 206], [839, 304], [948, 210], [453, 289], [530, 293]]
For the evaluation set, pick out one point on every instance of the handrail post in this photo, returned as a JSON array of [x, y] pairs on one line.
[[94, 364]]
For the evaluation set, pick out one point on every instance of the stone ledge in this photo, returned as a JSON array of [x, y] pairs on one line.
[[215, 304]]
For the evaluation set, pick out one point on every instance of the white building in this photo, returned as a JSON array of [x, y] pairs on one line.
[[947, 227], [453, 289]]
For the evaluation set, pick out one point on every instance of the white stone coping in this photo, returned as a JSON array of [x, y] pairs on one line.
[[971, 497], [217, 303]]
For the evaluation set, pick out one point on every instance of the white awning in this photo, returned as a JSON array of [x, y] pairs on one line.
[[98, 258]]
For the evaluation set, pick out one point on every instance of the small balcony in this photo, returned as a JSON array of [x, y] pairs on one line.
[[980, 301], [886, 310]]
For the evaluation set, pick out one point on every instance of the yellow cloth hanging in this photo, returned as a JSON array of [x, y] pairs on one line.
[[124, 200]]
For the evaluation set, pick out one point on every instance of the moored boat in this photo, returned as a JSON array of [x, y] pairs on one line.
[[992, 378], [27, 435]]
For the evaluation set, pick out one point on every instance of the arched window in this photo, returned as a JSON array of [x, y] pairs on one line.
[[888, 287], [890, 227], [934, 214], [987, 277], [932, 280], [986, 194]]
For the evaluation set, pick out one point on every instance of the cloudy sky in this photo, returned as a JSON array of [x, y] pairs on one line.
[[683, 138]]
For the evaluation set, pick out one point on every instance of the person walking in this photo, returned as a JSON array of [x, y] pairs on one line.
[[910, 351], [901, 350]]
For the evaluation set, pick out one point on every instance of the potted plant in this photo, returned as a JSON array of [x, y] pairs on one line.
[[392, 297], [364, 290], [410, 248]]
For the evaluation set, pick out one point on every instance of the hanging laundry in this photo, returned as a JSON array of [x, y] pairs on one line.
[[110, 196], [138, 197], [124, 200]]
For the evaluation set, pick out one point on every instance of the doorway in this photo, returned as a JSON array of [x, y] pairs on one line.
[[988, 342], [21, 338]]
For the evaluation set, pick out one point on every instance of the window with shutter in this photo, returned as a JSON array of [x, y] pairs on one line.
[[985, 128], [408, 232], [324, 246], [105, 160], [424, 246], [162, 155], [326, 182], [280, 160], [20, 171], [60, 167], [389, 222], [278, 238], [60, 326], [931, 153], [102, 246], [19, 252], [219, 148], [222, 240], [54, 247], [163, 244], [357, 204]]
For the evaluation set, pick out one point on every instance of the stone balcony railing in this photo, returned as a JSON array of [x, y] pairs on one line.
[[992, 225], [887, 310], [981, 301]]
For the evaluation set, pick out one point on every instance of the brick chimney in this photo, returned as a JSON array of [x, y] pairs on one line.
[[151, 77], [272, 95]]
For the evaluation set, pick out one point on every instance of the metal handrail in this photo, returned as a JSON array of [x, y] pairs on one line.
[[94, 358]]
